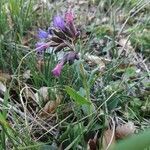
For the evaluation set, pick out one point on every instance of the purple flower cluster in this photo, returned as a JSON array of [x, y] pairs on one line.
[[62, 32]]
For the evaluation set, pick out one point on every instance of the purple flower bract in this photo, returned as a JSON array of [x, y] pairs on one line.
[[69, 17]]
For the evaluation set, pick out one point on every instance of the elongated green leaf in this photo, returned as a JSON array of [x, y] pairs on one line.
[[136, 142], [76, 96]]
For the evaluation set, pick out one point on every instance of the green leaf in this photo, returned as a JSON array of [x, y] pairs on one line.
[[76, 96], [130, 72], [136, 142]]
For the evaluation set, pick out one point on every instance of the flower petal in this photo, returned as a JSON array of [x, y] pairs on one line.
[[59, 22], [42, 34]]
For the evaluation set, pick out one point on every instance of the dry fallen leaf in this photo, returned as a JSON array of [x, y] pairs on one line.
[[27, 74], [125, 130], [92, 143], [126, 47], [125, 43], [4, 76], [42, 93], [50, 107], [108, 139], [82, 2], [100, 61], [28, 93], [2, 88]]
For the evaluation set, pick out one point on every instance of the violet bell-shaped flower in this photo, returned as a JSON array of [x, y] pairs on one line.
[[57, 70], [42, 34], [59, 22]]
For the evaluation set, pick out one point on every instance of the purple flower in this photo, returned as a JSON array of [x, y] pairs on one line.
[[59, 22], [57, 70], [42, 34], [40, 47]]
